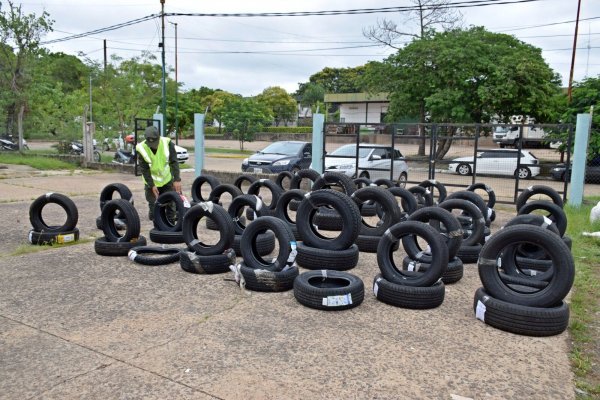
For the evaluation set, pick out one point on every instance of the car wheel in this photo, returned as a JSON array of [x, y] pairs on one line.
[[523, 173], [402, 180], [364, 175], [464, 169]]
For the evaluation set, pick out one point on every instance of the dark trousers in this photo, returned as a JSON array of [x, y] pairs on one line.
[[152, 200]]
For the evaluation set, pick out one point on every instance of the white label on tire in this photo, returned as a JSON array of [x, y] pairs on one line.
[[375, 289], [480, 311], [65, 238], [337, 301], [31, 236], [49, 194], [259, 203], [132, 254]]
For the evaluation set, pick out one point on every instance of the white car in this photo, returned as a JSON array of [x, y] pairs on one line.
[[182, 154], [498, 162], [374, 162]]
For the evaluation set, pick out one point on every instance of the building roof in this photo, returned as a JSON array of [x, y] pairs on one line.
[[356, 97]]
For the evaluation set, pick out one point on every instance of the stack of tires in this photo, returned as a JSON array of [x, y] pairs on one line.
[[215, 196], [265, 242], [449, 231], [515, 299], [202, 257], [43, 233], [169, 210], [107, 194], [337, 250], [118, 240], [491, 198], [420, 288], [264, 185]]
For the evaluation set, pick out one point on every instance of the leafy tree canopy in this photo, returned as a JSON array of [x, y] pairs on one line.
[[283, 107], [244, 117]]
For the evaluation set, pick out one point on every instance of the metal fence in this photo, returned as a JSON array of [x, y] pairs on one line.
[[457, 155]]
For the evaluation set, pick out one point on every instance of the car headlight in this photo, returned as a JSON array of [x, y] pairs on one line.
[[282, 162], [245, 161]]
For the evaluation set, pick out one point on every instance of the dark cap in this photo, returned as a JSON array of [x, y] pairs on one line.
[[151, 133]]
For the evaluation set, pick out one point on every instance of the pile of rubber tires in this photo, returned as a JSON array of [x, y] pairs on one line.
[[44, 234], [527, 269]]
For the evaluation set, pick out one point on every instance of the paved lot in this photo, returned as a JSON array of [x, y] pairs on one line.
[[77, 325]]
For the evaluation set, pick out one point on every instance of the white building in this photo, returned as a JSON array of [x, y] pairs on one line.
[[361, 108]]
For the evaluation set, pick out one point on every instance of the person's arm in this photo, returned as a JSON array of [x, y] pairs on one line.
[[174, 165], [145, 170]]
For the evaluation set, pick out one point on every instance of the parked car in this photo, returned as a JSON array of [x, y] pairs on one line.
[[182, 154], [287, 155], [498, 162], [592, 171], [374, 162]]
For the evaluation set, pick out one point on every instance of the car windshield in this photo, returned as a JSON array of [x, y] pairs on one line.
[[350, 151], [283, 148]]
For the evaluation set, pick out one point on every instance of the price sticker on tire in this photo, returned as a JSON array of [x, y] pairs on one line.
[[337, 301]]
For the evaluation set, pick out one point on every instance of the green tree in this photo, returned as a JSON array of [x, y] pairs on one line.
[[312, 94], [217, 104], [244, 117], [336, 80], [20, 36], [283, 107], [465, 76]]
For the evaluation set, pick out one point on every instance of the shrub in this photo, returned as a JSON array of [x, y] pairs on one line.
[[287, 129]]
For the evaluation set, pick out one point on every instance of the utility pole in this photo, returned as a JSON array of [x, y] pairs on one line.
[[91, 116], [570, 90], [164, 86], [176, 89]]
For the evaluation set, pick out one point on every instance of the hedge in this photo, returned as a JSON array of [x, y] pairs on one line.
[[287, 129]]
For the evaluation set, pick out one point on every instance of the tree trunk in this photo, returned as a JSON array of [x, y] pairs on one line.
[[20, 126], [444, 145]]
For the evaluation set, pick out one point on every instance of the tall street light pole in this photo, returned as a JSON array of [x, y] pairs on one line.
[[164, 86], [176, 90], [570, 89]]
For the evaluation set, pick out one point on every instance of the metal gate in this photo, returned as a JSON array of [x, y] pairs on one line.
[[457, 155]]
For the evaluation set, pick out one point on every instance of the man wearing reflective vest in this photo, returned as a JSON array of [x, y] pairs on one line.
[[160, 169]]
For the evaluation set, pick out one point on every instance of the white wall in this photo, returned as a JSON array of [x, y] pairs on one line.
[[356, 112]]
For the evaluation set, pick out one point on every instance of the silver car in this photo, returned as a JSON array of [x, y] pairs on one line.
[[374, 162]]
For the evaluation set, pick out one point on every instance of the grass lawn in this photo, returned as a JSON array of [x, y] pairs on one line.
[[40, 163]]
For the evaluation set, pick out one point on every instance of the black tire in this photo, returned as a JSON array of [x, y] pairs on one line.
[[215, 264], [35, 213], [329, 290], [522, 280], [217, 192], [369, 244], [531, 191], [453, 273], [473, 198], [239, 181], [362, 182], [123, 209], [117, 249], [309, 174], [464, 169], [412, 297], [422, 195], [338, 260], [563, 266], [556, 214], [439, 254], [469, 254], [346, 208], [283, 175], [109, 190], [168, 237], [531, 250], [197, 186], [491, 201], [217, 214], [163, 255], [265, 244], [385, 201], [408, 202], [283, 235], [452, 235], [210, 224], [519, 319], [275, 190], [261, 280], [285, 203], [235, 210], [162, 207], [329, 180], [51, 238], [439, 186], [475, 232], [385, 182]]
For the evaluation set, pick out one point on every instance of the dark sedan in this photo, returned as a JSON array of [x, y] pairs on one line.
[[592, 171], [280, 156]]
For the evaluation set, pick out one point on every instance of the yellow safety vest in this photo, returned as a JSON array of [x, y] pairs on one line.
[[159, 162]]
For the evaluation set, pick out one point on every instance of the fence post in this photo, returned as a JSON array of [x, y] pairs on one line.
[[317, 143], [582, 134], [198, 143]]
